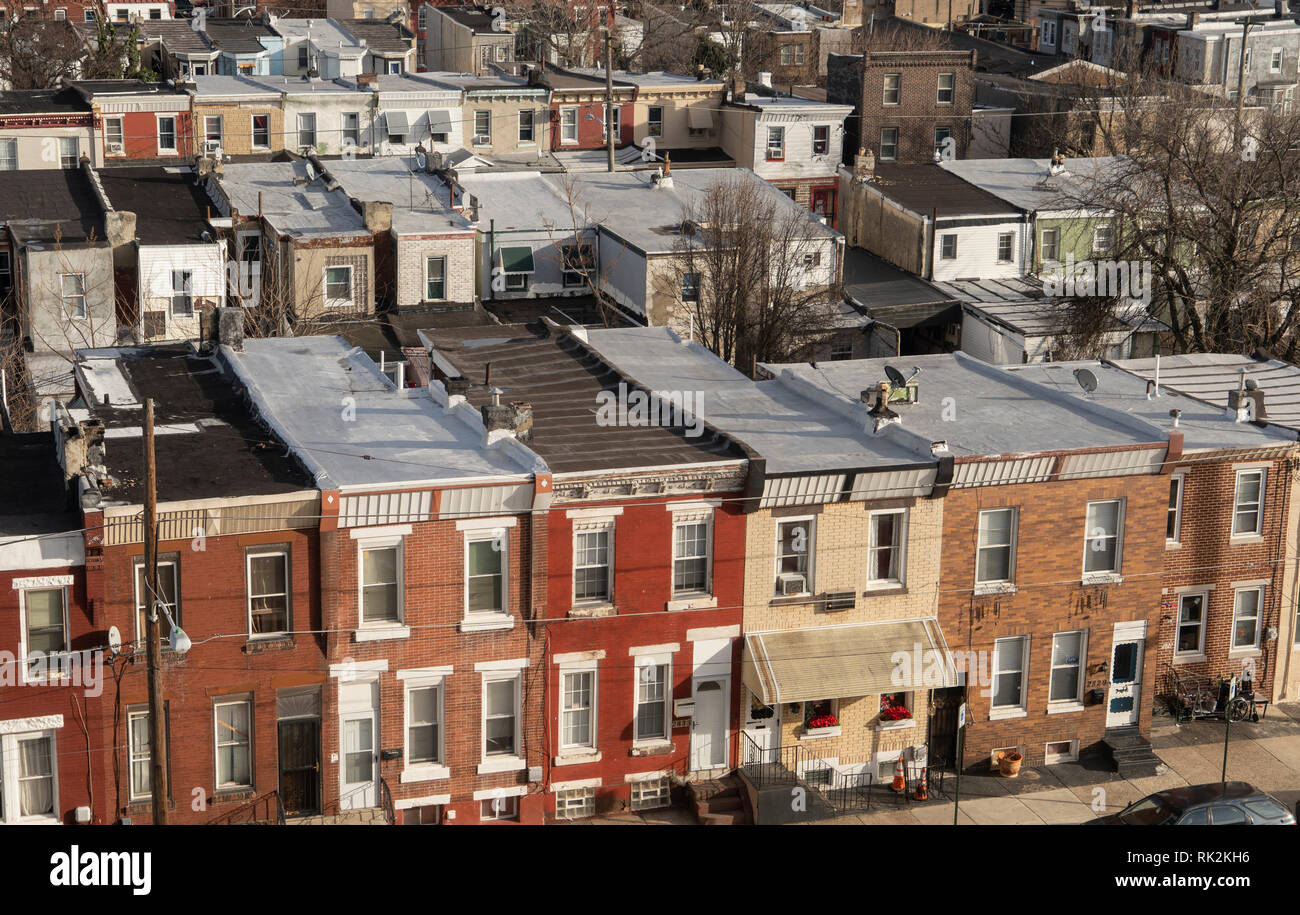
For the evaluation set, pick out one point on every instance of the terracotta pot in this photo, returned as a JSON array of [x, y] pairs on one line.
[[1009, 765]]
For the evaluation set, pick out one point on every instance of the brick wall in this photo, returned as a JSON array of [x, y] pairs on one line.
[[918, 112]]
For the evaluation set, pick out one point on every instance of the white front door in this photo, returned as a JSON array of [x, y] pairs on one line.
[[1122, 698], [763, 728], [709, 726], [358, 741]]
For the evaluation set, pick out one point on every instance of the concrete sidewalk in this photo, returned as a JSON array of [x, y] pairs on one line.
[[1265, 753]]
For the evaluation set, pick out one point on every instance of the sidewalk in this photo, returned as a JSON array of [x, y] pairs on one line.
[[1266, 754]]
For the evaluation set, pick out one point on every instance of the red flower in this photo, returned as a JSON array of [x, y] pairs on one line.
[[895, 713], [823, 721]]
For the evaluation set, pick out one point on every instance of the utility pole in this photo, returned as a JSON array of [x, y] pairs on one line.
[[1241, 82], [609, 96], [153, 635]]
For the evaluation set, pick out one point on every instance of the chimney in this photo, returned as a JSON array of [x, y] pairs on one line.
[[377, 215], [664, 178], [521, 420], [515, 418], [1240, 403], [367, 80], [864, 165], [229, 328], [1254, 393], [119, 227], [765, 80], [1193, 20], [881, 415], [458, 385], [737, 88]]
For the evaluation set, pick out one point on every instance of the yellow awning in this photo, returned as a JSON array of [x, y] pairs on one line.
[[839, 662]]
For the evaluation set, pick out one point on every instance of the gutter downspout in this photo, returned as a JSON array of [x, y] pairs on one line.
[[492, 254]]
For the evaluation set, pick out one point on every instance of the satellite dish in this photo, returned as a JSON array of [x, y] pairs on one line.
[[1252, 384], [311, 171], [114, 640], [1087, 380], [895, 377]]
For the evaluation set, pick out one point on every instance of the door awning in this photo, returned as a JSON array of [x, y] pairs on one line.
[[397, 123], [699, 117], [439, 121], [515, 260], [839, 662]]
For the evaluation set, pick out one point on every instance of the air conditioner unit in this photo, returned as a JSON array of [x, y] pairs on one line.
[[212, 146], [482, 140], [792, 583], [115, 147], [840, 600]]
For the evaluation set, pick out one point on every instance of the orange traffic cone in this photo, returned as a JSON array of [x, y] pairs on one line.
[[900, 780], [923, 789]]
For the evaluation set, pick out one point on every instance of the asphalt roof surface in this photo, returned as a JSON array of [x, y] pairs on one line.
[[170, 208], [62, 195]]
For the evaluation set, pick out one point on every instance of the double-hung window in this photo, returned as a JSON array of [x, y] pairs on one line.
[[821, 140], [45, 629], [381, 583], [526, 125], [268, 591], [139, 739], [261, 131], [234, 741], [29, 784], [352, 129], [888, 144], [338, 286], [577, 709], [579, 260], [73, 288], [893, 89], [482, 128], [996, 551], [593, 563], [166, 134], [1066, 682], [1006, 247], [1103, 239], [423, 725], [690, 287], [69, 156], [775, 144], [652, 696], [886, 547], [168, 593], [435, 279], [1191, 625], [501, 716], [947, 83], [182, 293], [569, 125], [692, 542], [1174, 519], [485, 574], [307, 130], [114, 137], [1050, 247], [1247, 607], [794, 565], [948, 246], [1103, 541], [655, 121], [1248, 503], [212, 133], [1009, 662], [9, 154]]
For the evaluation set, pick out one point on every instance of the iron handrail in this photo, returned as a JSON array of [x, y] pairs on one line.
[[274, 810]]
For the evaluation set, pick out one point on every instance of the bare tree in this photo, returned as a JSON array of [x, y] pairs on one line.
[[37, 53], [580, 257], [563, 33]]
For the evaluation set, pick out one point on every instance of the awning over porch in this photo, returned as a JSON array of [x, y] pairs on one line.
[[837, 662]]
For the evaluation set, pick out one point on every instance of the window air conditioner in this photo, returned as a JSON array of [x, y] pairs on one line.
[[792, 583], [115, 147]]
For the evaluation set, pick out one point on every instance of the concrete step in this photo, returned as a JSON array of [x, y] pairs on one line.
[[722, 803]]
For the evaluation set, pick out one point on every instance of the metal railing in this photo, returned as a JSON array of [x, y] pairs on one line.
[[386, 802], [266, 810]]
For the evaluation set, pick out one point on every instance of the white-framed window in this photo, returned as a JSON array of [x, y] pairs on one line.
[[578, 260], [352, 129], [653, 694], [526, 124], [1174, 519], [29, 782], [775, 143], [1059, 751], [166, 134], [486, 567], [794, 556], [1049, 32], [893, 90], [44, 630], [593, 563], [89, 15], [1050, 246], [501, 725], [578, 709], [8, 155], [1065, 682], [168, 593], [569, 124], [946, 88], [72, 286], [1006, 247], [1103, 239], [1248, 503], [338, 286], [422, 17], [887, 547], [655, 121], [482, 127], [792, 54], [888, 144], [1191, 624], [1103, 540], [821, 139], [941, 135], [1275, 60], [114, 137], [394, 67], [616, 122], [690, 287], [435, 278], [139, 753], [948, 246], [1247, 608], [381, 564], [233, 719], [424, 717], [575, 803], [212, 132], [69, 154], [499, 808], [60, 15], [268, 592], [182, 298], [692, 556], [307, 130], [261, 129], [1010, 658]]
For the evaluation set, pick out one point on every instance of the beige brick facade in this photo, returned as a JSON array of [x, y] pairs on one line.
[[237, 126]]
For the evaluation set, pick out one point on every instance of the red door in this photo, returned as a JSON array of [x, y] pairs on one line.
[[823, 203]]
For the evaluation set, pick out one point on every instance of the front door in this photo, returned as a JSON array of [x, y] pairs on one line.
[[300, 766], [763, 728], [1125, 675], [709, 726], [359, 762], [823, 203]]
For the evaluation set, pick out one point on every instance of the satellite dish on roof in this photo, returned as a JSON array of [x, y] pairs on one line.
[[1252, 384], [1087, 380], [311, 171], [114, 640], [895, 377]]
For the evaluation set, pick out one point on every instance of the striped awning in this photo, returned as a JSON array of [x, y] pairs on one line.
[[699, 117], [839, 662]]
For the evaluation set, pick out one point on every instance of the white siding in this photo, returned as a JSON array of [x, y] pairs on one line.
[[208, 264], [799, 159], [977, 253]]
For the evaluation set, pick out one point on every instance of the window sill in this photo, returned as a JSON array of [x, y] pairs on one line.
[[902, 725], [1198, 658], [1003, 714], [1244, 539], [658, 748], [270, 643], [487, 623], [885, 589], [576, 757], [1065, 708], [995, 587], [502, 764], [1101, 578], [698, 602], [229, 795], [820, 733], [793, 600], [590, 611], [1245, 652], [380, 633], [1173, 545], [424, 773]]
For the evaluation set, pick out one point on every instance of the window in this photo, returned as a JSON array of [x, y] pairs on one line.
[[941, 137], [651, 702], [29, 788], [435, 278], [90, 15], [250, 248], [306, 130], [268, 593], [182, 292], [155, 14], [1102, 543], [1050, 248], [113, 136], [352, 129], [575, 803], [1174, 520], [691, 546], [526, 125], [1246, 607], [6, 276], [690, 287], [775, 143], [792, 54], [650, 793], [1006, 244], [1066, 685], [422, 18], [303, 57], [794, 543], [591, 565], [841, 349], [234, 744], [893, 88], [616, 122], [1275, 60], [655, 121], [996, 546], [9, 155], [568, 125], [60, 15], [1191, 624], [45, 626], [73, 288], [121, 15], [69, 157], [888, 144], [424, 725], [946, 83], [578, 259], [814, 259], [1248, 57], [485, 575], [501, 716], [819, 714], [499, 808], [168, 593], [198, 69], [212, 130], [338, 286], [140, 756], [261, 131], [381, 584], [1248, 505], [1009, 672], [394, 67], [577, 709], [166, 133], [1102, 239], [948, 246], [821, 139], [1049, 32], [482, 128], [886, 541]]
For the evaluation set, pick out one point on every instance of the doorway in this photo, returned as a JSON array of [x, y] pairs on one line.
[[300, 766], [763, 728], [1122, 708], [359, 759], [709, 726]]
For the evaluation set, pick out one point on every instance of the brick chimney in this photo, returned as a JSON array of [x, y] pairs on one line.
[[515, 417], [864, 165], [367, 80]]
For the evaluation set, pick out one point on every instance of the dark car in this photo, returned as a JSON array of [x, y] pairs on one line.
[[1218, 804]]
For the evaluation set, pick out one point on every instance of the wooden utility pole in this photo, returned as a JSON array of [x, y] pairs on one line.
[[1241, 82], [153, 628], [609, 96]]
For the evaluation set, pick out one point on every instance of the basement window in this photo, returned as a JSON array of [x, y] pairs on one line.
[[651, 793], [575, 803]]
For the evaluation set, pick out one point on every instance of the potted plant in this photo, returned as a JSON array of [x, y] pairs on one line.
[[822, 721], [1009, 764], [893, 707]]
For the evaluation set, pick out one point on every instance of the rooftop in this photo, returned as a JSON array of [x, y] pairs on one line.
[[1026, 183], [930, 190], [412, 82], [651, 80], [100, 87], [420, 200], [1210, 376], [239, 36], [43, 101], [309, 208], [388, 437], [793, 103], [328, 35], [50, 195], [170, 208], [475, 18], [380, 35], [33, 496], [471, 83], [177, 34], [220, 86]]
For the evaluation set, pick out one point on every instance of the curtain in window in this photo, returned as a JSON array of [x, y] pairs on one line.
[[35, 777]]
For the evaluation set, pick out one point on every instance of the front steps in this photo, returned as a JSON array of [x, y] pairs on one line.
[[1130, 752], [719, 802]]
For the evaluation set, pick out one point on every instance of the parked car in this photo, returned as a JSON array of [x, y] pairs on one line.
[[1217, 804]]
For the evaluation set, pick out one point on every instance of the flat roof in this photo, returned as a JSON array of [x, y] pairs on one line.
[[170, 208], [471, 83], [1210, 376], [652, 79], [46, 196], [875, 283], [420, 200], [1026, 183], [410, 82], [299, 209], [207, 444], [304, 386], [516, 199], [551, 370], [829, 109], [42, 101], [380, 34], [95, 87], [928, 189], [230, 86], [34, 499]]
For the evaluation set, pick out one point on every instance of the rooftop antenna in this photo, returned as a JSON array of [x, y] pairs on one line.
[[897, 379], [1087, 380]]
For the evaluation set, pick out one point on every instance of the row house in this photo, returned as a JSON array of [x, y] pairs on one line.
[[61, 10], [506, 118], [331, 49], [578, 108], [412, 111], [676, 116], [642, 570], [136, 120], [467, 39], [243, 47], [46, 128], [175, 49], [237, 116]]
